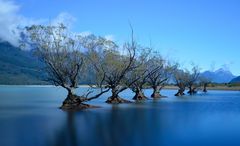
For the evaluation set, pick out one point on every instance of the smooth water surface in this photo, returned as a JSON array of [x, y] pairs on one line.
[[29, 116]]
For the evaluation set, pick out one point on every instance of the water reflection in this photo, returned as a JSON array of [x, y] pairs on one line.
[[164, 124], [210, 119], [128, 126], [67, 134]]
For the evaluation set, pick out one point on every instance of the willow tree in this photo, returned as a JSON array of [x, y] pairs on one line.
[[180, 78], [161, 72], [137, 79], [204, 82], [192, 79], [64, 61], [113, 64]]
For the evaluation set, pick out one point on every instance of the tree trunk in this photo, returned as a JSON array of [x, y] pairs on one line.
[[156, 92], [192, 90], [71, 98], [205, 87], [115, 98], [180, 92], [73, 102], [139, 95]]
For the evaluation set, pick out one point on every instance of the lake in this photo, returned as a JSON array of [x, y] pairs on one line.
[[29, 116]]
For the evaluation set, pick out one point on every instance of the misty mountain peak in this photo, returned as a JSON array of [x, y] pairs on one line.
[[219, 76], [222, 70]]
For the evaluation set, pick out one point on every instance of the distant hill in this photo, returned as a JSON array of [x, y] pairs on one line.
[[18, 66], [235, 80], [219, 76]]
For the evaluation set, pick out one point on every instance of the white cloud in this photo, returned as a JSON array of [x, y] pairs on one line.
[[64, 18], [85, 33], [11, 20], [8, 7], [227, 65], [109, 37]]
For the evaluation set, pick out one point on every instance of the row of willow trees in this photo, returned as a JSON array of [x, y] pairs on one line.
[[68, 57]]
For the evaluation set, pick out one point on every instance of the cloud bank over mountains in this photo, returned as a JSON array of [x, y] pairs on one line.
[[11, 21]]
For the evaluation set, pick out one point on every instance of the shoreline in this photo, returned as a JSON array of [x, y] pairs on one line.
[[37, 86], [226, 88]]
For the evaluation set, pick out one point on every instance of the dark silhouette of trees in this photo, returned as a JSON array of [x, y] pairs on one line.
[[186, 78], [161, 71], [180, 78], [62, 53], [68, 57], [193, 80], [113, 64], [138, 78], [204, 82]]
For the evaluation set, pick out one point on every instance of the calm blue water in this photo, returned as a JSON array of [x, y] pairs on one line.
[[29, 116]]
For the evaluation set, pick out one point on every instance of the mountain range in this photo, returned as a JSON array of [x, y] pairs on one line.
[[235, 80], [21, 67], [18, 66], [219, 76]]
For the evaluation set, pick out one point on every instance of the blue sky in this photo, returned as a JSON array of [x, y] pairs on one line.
[[206, 32]]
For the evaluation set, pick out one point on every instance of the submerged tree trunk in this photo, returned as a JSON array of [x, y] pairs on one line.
[[139, 95], [74, 102], [192, 90], [180, 92], [156, 92], [205, 87], [115, 98]]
